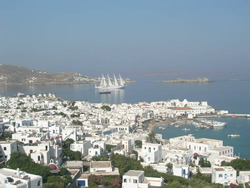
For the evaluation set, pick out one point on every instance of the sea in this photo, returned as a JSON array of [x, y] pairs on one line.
[[230, 92]]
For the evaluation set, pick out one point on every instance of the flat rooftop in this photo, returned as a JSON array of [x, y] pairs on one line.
[[226, 168], [100, 164], [133, 173], [74, 164]]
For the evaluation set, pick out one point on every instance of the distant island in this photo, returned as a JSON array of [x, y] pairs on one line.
[[196, 80], [18, 75]]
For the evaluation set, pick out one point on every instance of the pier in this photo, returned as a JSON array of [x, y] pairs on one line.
[[235, 115], [223, 115]]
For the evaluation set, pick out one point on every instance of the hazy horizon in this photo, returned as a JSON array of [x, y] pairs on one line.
[[95, 37]]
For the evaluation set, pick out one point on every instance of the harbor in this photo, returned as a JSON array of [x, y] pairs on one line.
[[235, 133]]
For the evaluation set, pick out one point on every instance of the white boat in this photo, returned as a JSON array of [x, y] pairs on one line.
[[233, 135], [218, 124], [185, 129], [107, 83]]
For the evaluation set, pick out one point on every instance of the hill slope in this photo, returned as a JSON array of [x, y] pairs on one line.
[[20, 75]]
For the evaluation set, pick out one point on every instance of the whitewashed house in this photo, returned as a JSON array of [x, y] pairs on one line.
[[224, 175], [43, 153], [81, 146], [30, 137], [151, 153], [100, 166], [181, 170], [6, 148], [244, 177], [19, 179], [136, 179], [95, 151]]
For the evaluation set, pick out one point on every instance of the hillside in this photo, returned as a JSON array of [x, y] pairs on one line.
[[11, 75], [196, 80]]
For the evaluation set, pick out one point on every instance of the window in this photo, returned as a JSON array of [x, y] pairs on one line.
[[231, 175], [38, 183], [220, 175], [4, 148], [38, 158], [134, 181], [125, 180]]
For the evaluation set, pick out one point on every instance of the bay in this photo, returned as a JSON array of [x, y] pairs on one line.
[[222, 94]]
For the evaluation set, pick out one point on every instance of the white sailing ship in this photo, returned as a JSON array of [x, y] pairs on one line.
[[107, 83]]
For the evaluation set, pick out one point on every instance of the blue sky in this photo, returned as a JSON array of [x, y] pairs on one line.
[[94, 37]]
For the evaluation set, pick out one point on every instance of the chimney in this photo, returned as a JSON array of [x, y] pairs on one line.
[[18, 172]]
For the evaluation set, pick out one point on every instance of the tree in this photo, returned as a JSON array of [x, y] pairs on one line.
[[106, 108], [67, 179], [138, 143], [63, 171], [109, 147], [151, 137], [25, 163], [76, 122], [170, 166], [72, 155], [204, 163], [136, 153], [238, 164], [174, 184], [103, 157], [56, 181], [68, 142]]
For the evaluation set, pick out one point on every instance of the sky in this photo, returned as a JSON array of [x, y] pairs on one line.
[[133, 36]]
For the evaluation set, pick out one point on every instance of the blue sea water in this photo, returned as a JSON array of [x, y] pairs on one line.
[[222, 94]]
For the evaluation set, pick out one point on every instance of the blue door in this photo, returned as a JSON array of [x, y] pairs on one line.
[[81, 183]]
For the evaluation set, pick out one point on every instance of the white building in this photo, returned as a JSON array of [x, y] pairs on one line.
[[244, 177], [43, 153], [30, 137], [224, 175], [211, 149], [81, 146], [6, 148], [100, 166], [136, 179], [151, 153], [19, 179], [128, 145], [95, 151], [83, 181], [70, 133], [181, 170]]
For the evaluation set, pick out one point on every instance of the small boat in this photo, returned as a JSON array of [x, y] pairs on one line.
[[185, 129], [233, 135], [104, 92]]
